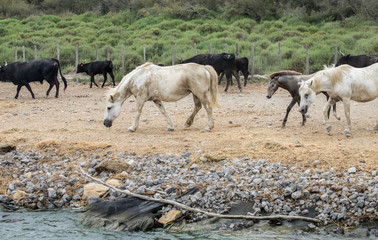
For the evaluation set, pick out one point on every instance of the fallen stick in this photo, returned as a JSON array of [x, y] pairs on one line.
[[183, 206]]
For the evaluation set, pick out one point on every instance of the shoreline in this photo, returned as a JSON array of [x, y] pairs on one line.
[[48, 181]]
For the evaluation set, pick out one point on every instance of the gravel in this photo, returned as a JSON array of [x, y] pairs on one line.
[[50, 182]]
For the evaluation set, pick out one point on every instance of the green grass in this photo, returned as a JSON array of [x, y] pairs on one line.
[[160, 32]]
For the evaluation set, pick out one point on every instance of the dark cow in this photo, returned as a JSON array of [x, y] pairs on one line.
[[224, 62], [97, 67], [359, 61], [242, 66], [22, 73]]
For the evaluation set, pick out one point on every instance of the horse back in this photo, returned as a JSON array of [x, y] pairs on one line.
[[362, 83]]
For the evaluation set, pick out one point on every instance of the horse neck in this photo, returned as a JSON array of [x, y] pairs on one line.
[[289, 83], [320, 84], [124, 87]]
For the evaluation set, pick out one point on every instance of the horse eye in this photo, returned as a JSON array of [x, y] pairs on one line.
[[109, 108], [306, 95]]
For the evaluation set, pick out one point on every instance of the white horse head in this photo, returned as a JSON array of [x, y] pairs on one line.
[[307, 95], [113, 107]]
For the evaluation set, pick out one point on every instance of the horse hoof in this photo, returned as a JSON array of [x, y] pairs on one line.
[[207, 129], [131, 130], [347, 133], [329, 128], [170, 129]]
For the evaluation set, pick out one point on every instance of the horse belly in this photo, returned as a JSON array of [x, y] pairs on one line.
[[364, 93], [167, 95]]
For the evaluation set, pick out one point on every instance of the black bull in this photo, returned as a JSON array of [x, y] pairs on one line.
[[224, 62], [22, 73], [359, 61], [97, 67]]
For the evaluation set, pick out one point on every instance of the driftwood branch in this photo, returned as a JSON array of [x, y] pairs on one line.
[[182, 206]]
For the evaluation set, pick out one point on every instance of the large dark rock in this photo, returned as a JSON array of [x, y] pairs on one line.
[[125, 214]]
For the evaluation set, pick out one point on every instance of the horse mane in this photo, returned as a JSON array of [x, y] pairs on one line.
[[145, 65], [325, 67], [284, 72]]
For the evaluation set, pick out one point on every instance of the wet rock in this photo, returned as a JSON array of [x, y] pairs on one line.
[[125, 214]]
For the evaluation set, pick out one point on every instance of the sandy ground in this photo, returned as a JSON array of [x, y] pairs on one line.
[[247, 125]]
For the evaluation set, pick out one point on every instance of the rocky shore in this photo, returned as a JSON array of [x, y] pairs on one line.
[[46, 180]]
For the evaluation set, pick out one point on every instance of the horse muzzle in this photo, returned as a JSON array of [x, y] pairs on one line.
[[268, 96], [303, 110], [108, 123]]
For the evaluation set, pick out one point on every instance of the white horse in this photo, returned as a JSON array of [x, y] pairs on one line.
[[150, 82], [343, 83]]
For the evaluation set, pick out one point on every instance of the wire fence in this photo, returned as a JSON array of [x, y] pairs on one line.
[[88, 53]]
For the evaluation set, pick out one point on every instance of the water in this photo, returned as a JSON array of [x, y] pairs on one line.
[[65, 225]]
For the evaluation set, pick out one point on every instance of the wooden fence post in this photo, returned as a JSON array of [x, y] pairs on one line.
[[237, 50], [307, 60], [335, 54], [15, 54], [77, 61], [96, 52], [123, 59], [144, 53], [174, 54], [23, 54], [279, 56], [252, 60], [210, 50], [108, 52], [195, 49], [35, 52], [226, 48], [58, 52]]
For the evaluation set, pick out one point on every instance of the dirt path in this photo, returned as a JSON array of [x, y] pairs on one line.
[[248, 124]]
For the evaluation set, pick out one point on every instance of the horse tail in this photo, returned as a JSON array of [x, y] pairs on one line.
[[213, 86]]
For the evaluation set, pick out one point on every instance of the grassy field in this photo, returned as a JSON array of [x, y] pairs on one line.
[[159, 33]]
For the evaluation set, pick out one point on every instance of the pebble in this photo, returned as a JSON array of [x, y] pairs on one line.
[[269, 187]]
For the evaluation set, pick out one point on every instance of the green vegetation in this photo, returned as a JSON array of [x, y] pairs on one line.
[[160, 27]]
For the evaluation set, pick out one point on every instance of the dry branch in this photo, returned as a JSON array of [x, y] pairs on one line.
[[182, 206]]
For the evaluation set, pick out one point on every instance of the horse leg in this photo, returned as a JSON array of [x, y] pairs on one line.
[[162, 110], [325, 114], [105, 78], [346, 102], [210, 118], [197, 107], [29, 88], [292, 103], [236, 75], [334, 112], [139, 105]]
